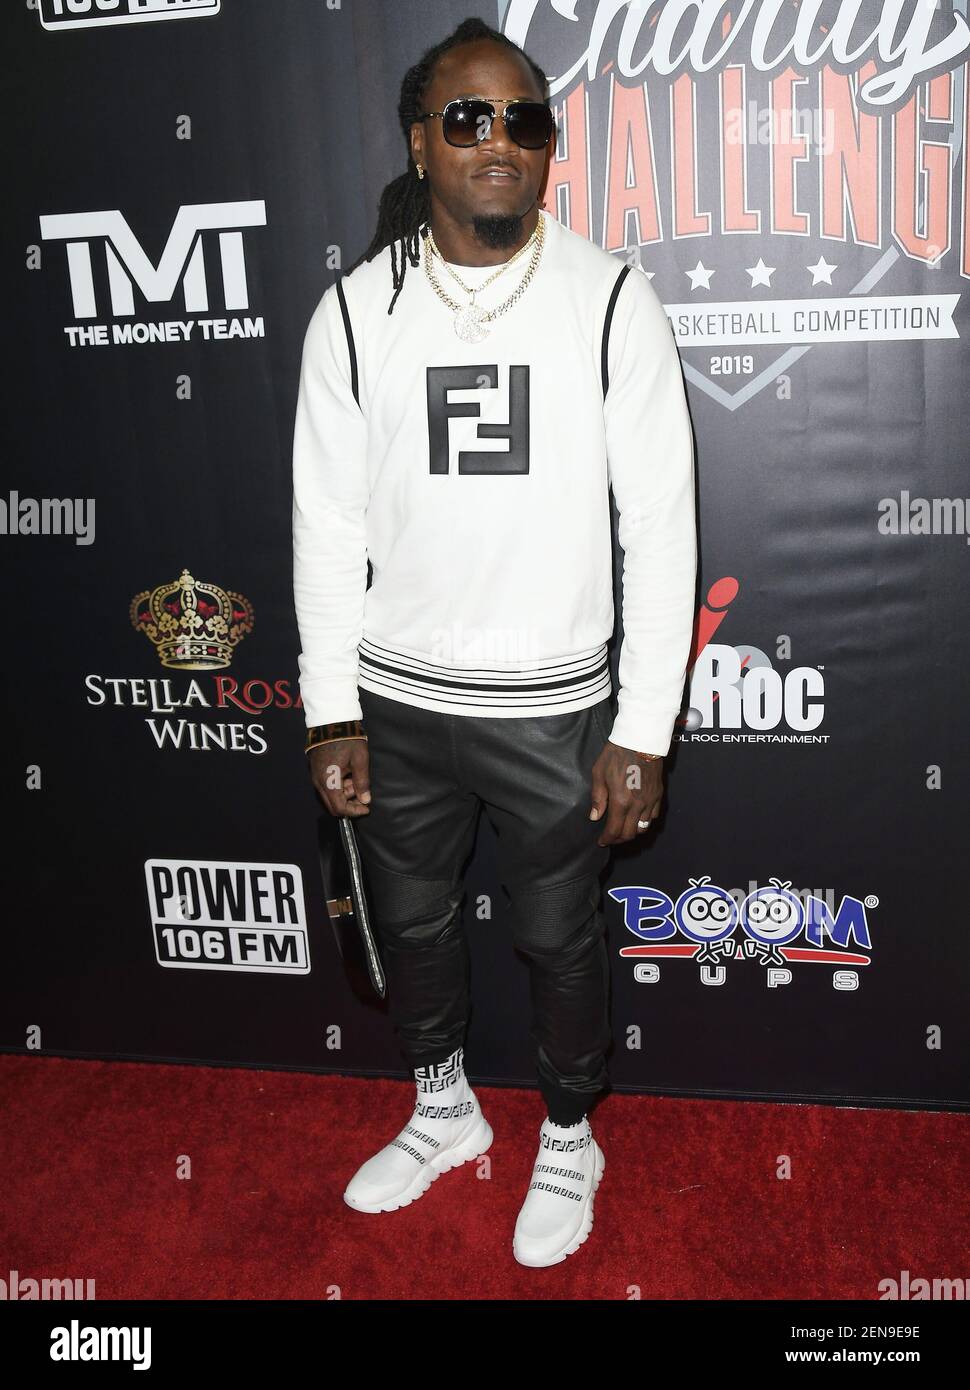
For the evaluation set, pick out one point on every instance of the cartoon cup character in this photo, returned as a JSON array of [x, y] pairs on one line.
[[705, 912], [773, 914]]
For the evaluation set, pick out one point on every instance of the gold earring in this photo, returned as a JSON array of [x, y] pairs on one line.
[[420, 169]]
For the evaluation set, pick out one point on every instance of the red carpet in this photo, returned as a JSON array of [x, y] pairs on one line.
[[690, 1206]]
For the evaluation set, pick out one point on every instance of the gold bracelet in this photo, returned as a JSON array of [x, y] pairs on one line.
[[330, 733], [651, 756]]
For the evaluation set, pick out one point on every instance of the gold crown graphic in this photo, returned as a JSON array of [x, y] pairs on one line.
[[193, 625]]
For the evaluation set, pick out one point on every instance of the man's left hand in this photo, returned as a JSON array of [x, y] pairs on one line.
[[627, 788]]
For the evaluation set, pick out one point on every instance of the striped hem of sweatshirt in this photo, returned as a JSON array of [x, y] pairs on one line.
[[536, 688]]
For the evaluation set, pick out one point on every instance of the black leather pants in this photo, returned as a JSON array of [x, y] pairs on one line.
[[431, 773]]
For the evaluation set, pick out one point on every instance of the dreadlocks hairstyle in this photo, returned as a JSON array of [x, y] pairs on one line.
[[405, 205]]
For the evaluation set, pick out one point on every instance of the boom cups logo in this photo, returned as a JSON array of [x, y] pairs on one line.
[[90, 14], [772, 926]]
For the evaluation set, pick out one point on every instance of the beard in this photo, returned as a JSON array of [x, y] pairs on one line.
[[498, 229]]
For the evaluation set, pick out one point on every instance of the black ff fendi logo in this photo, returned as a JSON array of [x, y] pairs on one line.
[[442, 380]]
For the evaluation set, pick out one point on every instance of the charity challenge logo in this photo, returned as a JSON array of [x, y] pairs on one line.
[[195, 625], [179, 281], [788, 173], [90, 14], [737, 695], [772, 927]]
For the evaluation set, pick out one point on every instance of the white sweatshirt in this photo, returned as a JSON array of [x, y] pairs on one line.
[[475, 478]]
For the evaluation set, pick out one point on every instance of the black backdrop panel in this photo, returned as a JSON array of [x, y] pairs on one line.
[[209, 174]]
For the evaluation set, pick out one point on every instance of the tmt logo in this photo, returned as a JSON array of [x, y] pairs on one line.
[[181, 260]]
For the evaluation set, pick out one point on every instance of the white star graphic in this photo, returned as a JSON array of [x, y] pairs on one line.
[[821, 271], [699, 275], [761, 274]]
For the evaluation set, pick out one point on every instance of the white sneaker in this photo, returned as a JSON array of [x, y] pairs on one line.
[[557, 1215], [446, 1129]]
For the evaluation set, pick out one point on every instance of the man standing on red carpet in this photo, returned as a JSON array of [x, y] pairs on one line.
[[463, 437]]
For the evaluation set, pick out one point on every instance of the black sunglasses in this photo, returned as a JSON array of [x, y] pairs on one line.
[[468, 120]]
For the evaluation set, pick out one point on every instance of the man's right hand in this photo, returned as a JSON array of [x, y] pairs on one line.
[[340, 772]]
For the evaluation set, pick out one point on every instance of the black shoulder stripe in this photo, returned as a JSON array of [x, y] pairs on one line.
[[348, 329], [604, 351]]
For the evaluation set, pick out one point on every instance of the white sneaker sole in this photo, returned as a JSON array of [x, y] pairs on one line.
[[468, 1147], [521, 1249]]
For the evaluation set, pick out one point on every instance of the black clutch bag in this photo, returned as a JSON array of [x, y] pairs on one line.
[[346, 896]]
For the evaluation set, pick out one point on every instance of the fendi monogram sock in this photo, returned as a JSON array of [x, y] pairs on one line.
[[443, 1092]]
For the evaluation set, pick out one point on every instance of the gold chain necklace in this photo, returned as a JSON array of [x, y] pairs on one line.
[[471, 319], [475, 289]]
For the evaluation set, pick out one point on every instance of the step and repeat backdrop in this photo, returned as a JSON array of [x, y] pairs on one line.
[[186, 178]]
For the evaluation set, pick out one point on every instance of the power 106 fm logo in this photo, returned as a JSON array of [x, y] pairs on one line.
[[211, 915], [90, 14], [738, 696], [773, 927]]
